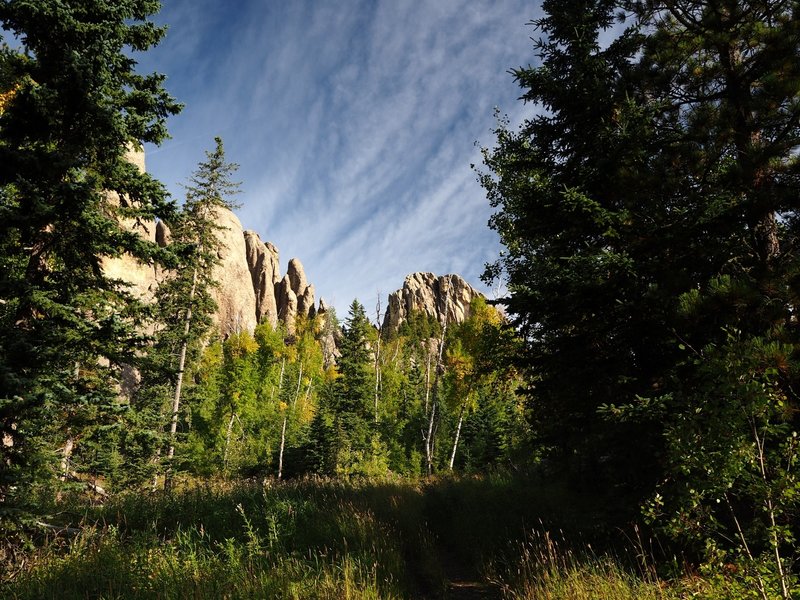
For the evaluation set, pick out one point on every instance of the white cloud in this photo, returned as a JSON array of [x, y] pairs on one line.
[[354, 124]]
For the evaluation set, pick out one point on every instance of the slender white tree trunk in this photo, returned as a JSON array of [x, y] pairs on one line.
[[785, 594], [65, 457], [458, 434], [228, 433], [176, 400], [299, 383], [283, 442], [156, 460], [283, 429], [378, 356], [429, 438], [427, 380]]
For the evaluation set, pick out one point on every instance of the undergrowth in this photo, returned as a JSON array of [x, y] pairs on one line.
[[331, 539]]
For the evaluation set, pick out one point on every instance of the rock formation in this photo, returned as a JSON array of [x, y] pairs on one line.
[[294, 295], [297, 276], [435, 296], [235, 295], [263, 262], [141, 277], [163, 235], [250, 288], [305, 303], [329, 336], [287, 304]]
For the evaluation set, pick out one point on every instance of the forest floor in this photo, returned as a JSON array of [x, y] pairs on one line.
[[463, 583]]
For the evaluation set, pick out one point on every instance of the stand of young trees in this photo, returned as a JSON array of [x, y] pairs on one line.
[[259, 406]]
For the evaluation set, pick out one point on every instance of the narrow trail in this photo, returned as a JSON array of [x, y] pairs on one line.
[[463, 582]]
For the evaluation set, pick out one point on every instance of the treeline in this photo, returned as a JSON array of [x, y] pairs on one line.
[[258, 406]]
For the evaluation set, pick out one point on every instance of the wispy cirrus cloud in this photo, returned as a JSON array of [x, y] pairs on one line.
[[354, 123]]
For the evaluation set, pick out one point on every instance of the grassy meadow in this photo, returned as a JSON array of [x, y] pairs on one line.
[[490, 537]]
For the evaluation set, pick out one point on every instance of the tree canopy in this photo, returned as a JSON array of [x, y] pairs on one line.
[[73, 106], [649, 216]]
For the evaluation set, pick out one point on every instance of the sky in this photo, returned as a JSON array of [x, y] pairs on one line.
[[354, 123]]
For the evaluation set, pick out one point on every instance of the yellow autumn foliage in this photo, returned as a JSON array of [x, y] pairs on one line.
[[5, 98]]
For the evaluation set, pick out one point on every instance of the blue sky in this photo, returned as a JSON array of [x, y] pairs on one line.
[[354, 123]]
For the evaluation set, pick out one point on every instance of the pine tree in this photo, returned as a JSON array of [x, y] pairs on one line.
[[186, 296], [72, 106], [354, 394], [354, 364], [649, 214]]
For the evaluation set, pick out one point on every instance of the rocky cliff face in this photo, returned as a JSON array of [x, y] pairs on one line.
[[435, 296], [235, 295], [142, 278], [251, 289], [263, 262]]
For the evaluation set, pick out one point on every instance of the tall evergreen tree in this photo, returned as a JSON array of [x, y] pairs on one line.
[[649, 214], [186, 296], [72, 106], [358, 443], [354, 364]]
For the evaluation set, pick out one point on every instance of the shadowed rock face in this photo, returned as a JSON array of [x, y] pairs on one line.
[[141, 277], [163, 235], [436, 296], [287, 304]]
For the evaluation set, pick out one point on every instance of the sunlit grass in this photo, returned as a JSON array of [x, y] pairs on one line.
[[233, 541], [331, 539]]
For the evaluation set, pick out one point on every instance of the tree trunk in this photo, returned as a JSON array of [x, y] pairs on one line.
[[176, 401], [67, 453], [458, 434], [228, 433], [155, 460], [429, 438], [299, 383], [427, 379], [283, 442], [378, 356], [283, 429], [429, 442]]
